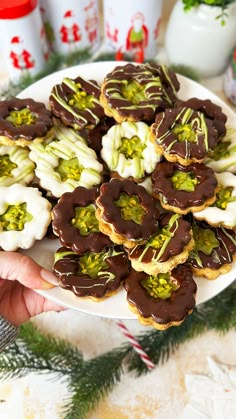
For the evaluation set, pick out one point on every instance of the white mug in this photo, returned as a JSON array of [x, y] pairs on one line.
[[132, 27]]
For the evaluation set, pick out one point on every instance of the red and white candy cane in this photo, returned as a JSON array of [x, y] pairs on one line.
[[137, 347]]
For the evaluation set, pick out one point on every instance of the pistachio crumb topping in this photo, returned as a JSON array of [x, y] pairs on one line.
[[6, 166], [184, 133], [205, 240], [80, 99], [184, 181], [21, 117], [131, 147], [133, 91], [160, 286], [224, 197], [159, 239], [15, 217], [85, 220], [92, 263], [131, 208], [69, 169]]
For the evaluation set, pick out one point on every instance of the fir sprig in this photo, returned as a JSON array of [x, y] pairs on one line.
[[91, 381]]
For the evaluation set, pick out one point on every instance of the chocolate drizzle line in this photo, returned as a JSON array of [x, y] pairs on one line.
[[110, 192], [173, 309], [83, 285], [161, 86], [204, 190], [69, 114], [42, 124], [69, 235], [211, 111], [180, 231], [205, 133], [221, 255]]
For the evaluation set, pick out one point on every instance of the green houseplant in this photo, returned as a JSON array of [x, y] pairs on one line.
[[223, 4]]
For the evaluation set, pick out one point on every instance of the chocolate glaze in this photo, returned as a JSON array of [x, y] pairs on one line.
[[173, 309], [162, 185], [43, 122], [94, 136], [69, 235], [158, 96], [220, 255], [164, 136], [77, 118], [83, 285], [110, 192], [211, 111], [181, 236]]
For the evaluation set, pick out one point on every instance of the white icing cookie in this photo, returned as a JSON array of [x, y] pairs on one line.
[[224, 155], [63, 165], [223, 211], [15, 166], [66, 133], [24, 217], [128, 150]]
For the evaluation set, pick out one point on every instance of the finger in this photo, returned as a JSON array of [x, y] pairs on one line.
[[14, 266]]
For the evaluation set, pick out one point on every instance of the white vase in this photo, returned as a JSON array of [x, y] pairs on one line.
[[198, 40]]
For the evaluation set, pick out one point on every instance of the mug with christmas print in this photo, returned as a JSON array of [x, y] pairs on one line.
[[71, 25], [131, 28], [24, 47]]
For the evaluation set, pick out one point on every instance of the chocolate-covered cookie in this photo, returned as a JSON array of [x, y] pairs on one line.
[[75, 223], [184, 135], [92, 275], [211, 111], [126, 212], [184, 188], [137, 92], [76, 103], [166, 248], [23, 121], [214, 250], [163, 300]]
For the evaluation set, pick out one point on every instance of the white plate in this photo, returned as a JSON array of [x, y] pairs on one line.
[[43, 251]]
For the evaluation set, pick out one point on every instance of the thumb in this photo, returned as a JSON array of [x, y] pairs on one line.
[[14, 266]]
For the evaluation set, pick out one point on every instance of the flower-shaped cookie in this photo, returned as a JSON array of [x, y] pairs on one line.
[[161, 300], [75, 223], [128, 150], [76, 103], [92, 275], [184, 188], [214, 250], [24, 217], [15, 166], [167, 248], [223, 211], [211, 111], [23, 121], [63, 165], [126, 212], [136, 93], [184, 135]]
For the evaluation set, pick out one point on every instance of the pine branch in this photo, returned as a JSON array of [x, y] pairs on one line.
[[94, 381]]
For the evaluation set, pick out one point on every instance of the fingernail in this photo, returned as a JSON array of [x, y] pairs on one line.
[[49, 280]]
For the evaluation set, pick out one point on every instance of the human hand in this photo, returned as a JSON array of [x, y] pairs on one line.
[[19, 274]]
